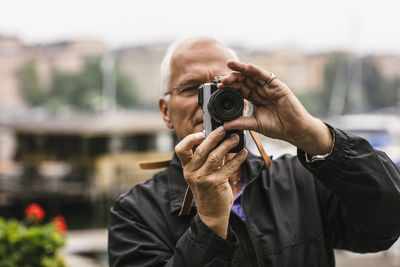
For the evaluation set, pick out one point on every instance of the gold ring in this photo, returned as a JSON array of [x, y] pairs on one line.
[[273, 77], [261, 82]]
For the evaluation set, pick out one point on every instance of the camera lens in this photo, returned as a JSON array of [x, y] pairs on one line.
[[225, 105]]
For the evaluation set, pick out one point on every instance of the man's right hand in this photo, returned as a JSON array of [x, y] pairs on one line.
[[207, 174]]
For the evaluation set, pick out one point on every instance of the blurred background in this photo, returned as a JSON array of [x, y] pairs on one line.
[[79, 83]]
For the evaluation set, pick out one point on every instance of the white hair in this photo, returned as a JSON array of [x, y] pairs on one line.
[[165, 68]]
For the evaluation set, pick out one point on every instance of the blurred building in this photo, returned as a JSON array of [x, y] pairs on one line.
[[68, 56], [62, 56], [82, 159], [12, 56], [301, 72], [389, 65], [142, 64]]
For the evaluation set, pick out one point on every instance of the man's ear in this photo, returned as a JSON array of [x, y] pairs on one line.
[[163, 105]]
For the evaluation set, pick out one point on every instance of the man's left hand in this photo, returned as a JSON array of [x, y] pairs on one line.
[[277, 113]]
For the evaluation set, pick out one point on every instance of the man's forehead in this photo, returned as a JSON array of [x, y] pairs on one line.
[[198, 74], [201, 53], [199, 64]]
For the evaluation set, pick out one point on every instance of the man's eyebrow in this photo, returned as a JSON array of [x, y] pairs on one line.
[[189, 82]]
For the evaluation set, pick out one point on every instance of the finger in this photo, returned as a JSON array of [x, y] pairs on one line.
[[236, 77], [234, 164], [242, 68], [237, 66], [184, 148], [251, 94], [202, 151], [216, 157], [253, 71], [242, 123], [242, 88], [250, 83], [259, 73], [232, 78]]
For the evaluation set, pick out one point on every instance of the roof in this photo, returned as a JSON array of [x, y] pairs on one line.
[[121, 123]]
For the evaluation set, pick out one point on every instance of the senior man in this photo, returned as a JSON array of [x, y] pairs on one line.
[[338, 192]]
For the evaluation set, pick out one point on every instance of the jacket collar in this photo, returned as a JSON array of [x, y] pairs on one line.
[[177, 183]]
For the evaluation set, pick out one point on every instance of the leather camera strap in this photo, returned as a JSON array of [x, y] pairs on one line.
[[188, 199], [260, 148], [151, 165]]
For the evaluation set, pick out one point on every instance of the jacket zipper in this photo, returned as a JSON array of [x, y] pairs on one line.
[[247, 218]]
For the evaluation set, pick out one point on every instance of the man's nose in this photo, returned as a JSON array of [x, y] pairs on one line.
[[199, 106], [199, 111]]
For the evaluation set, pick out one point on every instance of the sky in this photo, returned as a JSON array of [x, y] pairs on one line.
[[361, 26]]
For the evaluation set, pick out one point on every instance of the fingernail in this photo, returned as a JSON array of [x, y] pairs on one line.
[[234, 137], [199, 135], [242, 152], [219, 130]]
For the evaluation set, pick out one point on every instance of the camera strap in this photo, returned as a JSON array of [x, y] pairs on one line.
[[151, 165], [188, 199], [260, 148]]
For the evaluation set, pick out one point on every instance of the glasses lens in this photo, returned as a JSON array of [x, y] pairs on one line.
[[189, 91]]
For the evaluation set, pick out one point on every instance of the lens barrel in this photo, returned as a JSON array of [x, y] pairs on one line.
[[225, 105]]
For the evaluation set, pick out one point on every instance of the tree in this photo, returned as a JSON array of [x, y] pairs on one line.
[[77, 90], [358, 83], [82, 90], [126, 95], [351, 85], [380, 92], [28, 81], [335, 77]]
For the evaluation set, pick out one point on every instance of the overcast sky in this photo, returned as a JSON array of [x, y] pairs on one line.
[[312, 25]]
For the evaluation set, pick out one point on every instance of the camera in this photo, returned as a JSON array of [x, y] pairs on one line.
[[219, 106]]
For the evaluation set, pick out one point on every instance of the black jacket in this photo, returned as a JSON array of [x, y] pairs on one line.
[[296, 213]]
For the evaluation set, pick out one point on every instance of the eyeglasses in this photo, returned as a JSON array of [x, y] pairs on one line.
[[190, 87], [189, 91]]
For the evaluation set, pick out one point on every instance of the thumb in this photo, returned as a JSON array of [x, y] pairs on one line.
[[242, 123]]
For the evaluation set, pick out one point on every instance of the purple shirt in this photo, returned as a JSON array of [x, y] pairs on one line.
[[237, 207]]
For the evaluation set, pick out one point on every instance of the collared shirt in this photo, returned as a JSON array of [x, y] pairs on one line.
[[237, 206]]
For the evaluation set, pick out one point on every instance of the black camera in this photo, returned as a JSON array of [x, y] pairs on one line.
[[219, 106]]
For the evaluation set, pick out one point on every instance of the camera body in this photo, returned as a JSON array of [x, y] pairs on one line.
[[219, 106]]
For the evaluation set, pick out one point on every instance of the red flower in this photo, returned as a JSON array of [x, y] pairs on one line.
[[60, 224], [35, 212]]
